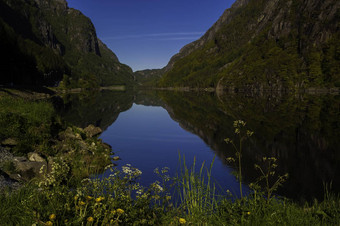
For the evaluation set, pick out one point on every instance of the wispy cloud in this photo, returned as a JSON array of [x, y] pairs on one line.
[[160, 36], [176, 38]]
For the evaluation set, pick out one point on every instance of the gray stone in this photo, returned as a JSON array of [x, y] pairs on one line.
[[35, 157], [67, 134], [19, 159], [28, 169], [92, 131], [9, 142]]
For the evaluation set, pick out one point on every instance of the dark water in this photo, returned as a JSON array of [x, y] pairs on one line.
[[150, 129]]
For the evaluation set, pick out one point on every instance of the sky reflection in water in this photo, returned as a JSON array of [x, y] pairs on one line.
[[146, 137]]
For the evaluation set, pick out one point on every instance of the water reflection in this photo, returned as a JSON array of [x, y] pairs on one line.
[[301, 131], [98, 108]]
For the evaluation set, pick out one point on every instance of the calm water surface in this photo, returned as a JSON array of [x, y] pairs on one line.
[[147, 138], [150, 129]]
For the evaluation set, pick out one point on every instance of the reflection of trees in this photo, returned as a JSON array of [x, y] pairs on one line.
[[97, 108], [301, 131]]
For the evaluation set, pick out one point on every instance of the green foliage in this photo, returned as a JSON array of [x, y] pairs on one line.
[[277, 120], [196, 191], [119, 199], [248, 54], [330, 61], [29, 123], [242, 134], [267, 173], [43, 41], [148, 78]]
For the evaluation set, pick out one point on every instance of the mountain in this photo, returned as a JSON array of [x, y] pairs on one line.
[[148, 77], [264, 44], [45, 41]]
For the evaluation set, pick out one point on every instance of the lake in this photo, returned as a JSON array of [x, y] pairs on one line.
[[150, 129]]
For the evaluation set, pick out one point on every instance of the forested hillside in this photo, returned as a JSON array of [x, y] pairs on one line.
[[264, 44], [45, 41]]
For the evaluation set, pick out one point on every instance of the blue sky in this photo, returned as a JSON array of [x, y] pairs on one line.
[[144, 34]]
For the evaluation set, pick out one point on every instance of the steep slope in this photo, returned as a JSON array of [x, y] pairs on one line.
[[45, 41], [264, 44]]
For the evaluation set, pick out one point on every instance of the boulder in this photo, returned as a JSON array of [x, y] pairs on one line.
[[92, 131], [35, 157], [27, 169], [9, 142], [67, 134]]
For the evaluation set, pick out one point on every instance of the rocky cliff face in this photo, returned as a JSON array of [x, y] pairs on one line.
[[60, 40], [271, 44]]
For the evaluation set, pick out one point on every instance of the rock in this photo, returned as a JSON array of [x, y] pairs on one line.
[[92, 131], [78, 136], [9, 142], [19, 159], [35, 157], [116, 158], [27, 169], [67, 134], [5, 155], [7, 182]]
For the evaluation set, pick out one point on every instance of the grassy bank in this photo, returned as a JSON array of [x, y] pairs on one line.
[[59, 194], [120, 200], [33, 138]]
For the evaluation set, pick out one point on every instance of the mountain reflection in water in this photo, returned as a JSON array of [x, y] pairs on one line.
[[301, 131]]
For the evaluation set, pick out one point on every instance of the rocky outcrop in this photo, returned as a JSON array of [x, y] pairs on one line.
[[76, 148], [92, 131], [35, 157], [26, 169]]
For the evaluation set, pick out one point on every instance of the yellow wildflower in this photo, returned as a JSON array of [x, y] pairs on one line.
[[49, 223], [120, 211], [52, 217], [99, 199], [248, 213], [113, 212], [90, 219], [182, 221], [88, 198], [81, 203], [76, 197]]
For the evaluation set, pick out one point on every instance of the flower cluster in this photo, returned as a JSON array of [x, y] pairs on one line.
[[131, 171], [58, 173], [157, 187]]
